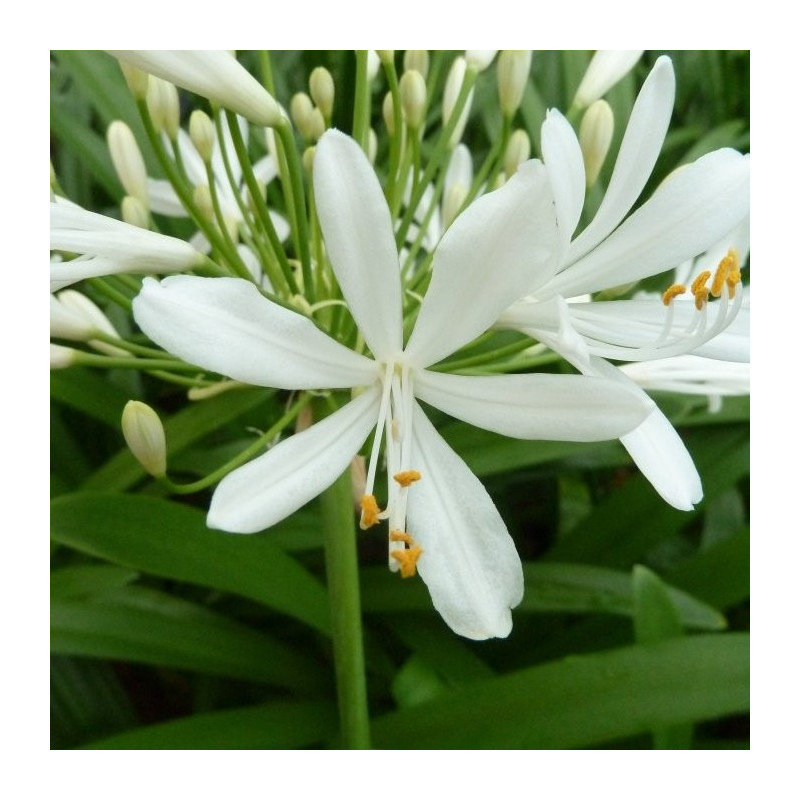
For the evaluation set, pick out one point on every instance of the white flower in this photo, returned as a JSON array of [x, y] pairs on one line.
[[107, 247], [441, 520], [606, 68], [700, 209], [215, 74]]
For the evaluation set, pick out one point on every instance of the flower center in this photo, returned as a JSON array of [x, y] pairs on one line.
[[394, 419]]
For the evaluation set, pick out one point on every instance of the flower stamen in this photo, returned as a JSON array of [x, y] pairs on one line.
[[407, 477], [369, 511], [671, 293], [408, 556]]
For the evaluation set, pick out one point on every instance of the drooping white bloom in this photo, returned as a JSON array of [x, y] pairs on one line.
[[75, 317], [441, 520], [606, 68], [215, 74], [107, 247], [698, 208]]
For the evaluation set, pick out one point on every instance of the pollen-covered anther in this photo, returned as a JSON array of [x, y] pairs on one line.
[[721, 275], [369, 511], [700, 281], [401, 536], [407, 477], [671, 293]]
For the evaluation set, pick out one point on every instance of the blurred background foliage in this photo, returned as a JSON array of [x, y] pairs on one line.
[[165, 635]]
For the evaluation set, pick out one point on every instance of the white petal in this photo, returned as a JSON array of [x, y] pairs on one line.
[[563, 158], [637, 156], [685, 216], [468, 560], [225, 325], [265, 169], [357, 227], [215, 74], [606, 68], [569, 408], [272, 486], [163, 199], [664, 460], [503, 246]]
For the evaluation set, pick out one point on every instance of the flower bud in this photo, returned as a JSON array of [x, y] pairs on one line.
[[144, 435], [316, 124], [606, 68], [517, 151], [135, 213], [479, 60], [452, 88], [413, 95], [597, 130], [127, 160], [320, 85], [386, 56], [96, 321], [66, 323], [136, 79], [164, 106], [418, 60], [203, 201], [201, 132], [372, 146], [453, 199], [513, 67], [373, 65], [388, 113], [62, 357], [308, 159], [301, 109]]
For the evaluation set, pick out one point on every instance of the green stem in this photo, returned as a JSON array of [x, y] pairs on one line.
[[361, 104], [341, 560]]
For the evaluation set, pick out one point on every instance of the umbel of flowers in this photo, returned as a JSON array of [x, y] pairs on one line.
[[373, 269]]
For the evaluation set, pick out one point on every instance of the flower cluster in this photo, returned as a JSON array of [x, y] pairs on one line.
[[376, 287]]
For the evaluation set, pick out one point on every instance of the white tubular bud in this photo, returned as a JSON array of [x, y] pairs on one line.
[[80, 305], [62, 357], [144, 435], [320, 85], [127, 160], [136, 80], [308, 160], [479, 60], [517, 151], [597, 130], [513, 67], [135, 213], [66, 323], [316, 124], [202, 199], [388, 113], [452, 88], [373, 65], [301, 109], [417, 59], [414, 95], [214, 74], [453, 199], [164, 106], [201, 132], [606, 68]]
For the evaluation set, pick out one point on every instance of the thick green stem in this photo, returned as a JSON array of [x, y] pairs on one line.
[[339, 531]]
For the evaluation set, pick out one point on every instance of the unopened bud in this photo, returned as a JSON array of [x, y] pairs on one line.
[[513, 67], [79, 304], [452, 89], [597, 130], [164, 106], [135, 213], [388, 113], [301, 109], [127, 160], [136, 79], [373, 65], [201, 132], [418, 60], [372, 145], [320, 85], [203, 201], [62, 357], [453, 199], [308, 160], [144, 435], [316, 125], [479, 60], [66, 323], [517, 151], [413, 95], [386, 56]]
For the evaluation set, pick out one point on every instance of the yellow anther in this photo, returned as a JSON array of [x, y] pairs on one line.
[[699, 282], [408, 560], [721, 275], [732, 279], [672, 292], [369, 511], [407, 477], [700, 297], [401, 536]]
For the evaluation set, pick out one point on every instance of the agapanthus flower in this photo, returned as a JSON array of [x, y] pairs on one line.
[[441, 520], [689, 214]]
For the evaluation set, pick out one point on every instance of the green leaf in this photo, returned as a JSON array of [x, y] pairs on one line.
[[147, 626], [549, 588], [84, 580], [582, 701], [172, 541], [273, 727], [90, 394], [416, 682], [182, 429]]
